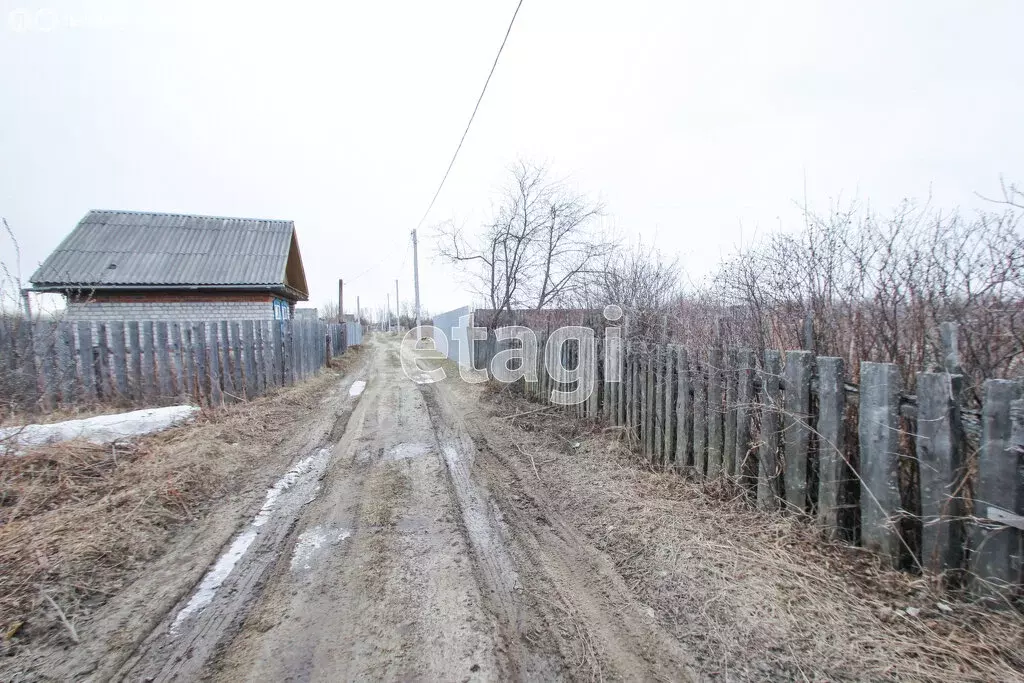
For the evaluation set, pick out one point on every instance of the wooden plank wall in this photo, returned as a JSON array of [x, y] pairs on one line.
[[778, 429], [48, 365]]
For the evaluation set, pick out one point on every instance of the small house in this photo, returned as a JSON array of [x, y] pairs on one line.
[[131, 265]]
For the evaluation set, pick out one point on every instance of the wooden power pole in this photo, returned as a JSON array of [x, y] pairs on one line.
[[416, 280], [341, 300]]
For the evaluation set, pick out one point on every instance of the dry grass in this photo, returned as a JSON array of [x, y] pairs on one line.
[[756, 596], [77, 519]]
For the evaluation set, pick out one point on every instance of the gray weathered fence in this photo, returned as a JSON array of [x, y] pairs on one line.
[[867, 462], [47, 365]]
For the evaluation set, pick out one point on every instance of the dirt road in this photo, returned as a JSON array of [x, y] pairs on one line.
[[368, 527], [403, 548]]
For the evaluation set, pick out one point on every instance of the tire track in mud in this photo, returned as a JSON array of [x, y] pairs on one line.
[[571, 613], [194, 632], [397, 600]]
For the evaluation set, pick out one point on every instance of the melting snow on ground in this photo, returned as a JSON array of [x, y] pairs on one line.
[[224, 565], [311, 540], [356, 388], [99, 429]]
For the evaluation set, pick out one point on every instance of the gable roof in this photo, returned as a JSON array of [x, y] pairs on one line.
[[133, 249]]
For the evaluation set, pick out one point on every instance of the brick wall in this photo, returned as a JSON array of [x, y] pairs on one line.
[[171, 311]]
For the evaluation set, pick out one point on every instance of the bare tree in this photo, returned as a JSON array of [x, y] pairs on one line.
[[541, 241]]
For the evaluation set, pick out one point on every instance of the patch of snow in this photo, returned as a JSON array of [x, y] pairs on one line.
[[215, 577], [226, 562], [404, 451], [311, 540], [286, 482], [356, 388], [99, 429]]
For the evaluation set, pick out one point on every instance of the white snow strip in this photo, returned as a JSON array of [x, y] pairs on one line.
[[215, 577], [356, 388], [227, 561], [99, 429], [285, 482]]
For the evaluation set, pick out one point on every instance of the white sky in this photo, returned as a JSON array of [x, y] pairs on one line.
[[689, 119]]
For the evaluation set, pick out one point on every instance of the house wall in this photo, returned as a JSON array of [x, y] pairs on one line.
[[198, 307]]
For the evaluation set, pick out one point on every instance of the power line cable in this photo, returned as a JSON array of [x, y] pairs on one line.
[[461, 140], [473, 115]]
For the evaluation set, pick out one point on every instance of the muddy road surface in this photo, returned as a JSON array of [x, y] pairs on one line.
[[403, 547]]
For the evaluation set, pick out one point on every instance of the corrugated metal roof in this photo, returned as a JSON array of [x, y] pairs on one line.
[[124, 248]]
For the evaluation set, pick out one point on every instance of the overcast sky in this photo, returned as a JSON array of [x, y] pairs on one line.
[[695, 122]]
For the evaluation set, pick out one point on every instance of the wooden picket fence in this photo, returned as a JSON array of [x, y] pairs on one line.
[[924, 482], [49, 365]]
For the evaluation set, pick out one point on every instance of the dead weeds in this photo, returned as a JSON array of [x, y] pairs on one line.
[[755, 595], [78, 519]]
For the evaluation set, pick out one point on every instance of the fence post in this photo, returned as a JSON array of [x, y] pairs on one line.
[[104, 385], [230, 358], [268, 351], [630, 388], [729, 442], [44, 340], [261, 364], [658, 373], [715, 414], [218, 346], [27, 359], [85, 370], [148, 362], [135, 349], [768, 493], [120, 359], [177, 360], [163, 361], [996, 546], [700, 418], [594, 367], [941, 469], [288, 353], [199, 355], [796, 433], [277, 335], [249, 358], [188, 363], [745, 458], [649, 364], [66, 361], [831, 443], [879, 446], [670, 389], [684, 411]]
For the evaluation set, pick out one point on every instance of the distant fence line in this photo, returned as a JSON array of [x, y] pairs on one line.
[[921, 481], [48, 365]]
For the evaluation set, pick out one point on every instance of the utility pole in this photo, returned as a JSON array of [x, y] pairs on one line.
[[341, 300], [416, 281], [398, 319], [359, 312], [388, 313]]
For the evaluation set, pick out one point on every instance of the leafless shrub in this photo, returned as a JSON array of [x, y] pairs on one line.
[[864, 286]]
